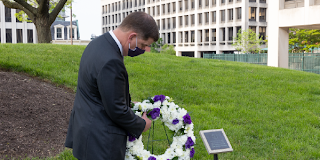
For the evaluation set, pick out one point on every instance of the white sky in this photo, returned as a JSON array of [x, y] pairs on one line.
[[88, 14]]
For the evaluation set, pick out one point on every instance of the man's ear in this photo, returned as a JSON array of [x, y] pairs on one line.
[[132, 36]]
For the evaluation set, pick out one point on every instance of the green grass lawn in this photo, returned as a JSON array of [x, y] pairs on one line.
[[266, 112]]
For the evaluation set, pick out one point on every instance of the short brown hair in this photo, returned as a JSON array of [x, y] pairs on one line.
[[142, 23]]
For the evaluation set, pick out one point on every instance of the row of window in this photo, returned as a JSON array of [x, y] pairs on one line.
[[206, 17], [204, 34], [126, 4], [19, 34], [183, 4], [116, 18], [7, 15]]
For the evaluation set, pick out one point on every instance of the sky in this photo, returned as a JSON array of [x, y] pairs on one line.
[[88, 14]]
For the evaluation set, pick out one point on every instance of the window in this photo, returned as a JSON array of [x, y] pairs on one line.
[[180, 6], [0, 35], [181, 37], [223, 2], [174, 22], [238, 30], [207, 17], [19, 36], [252, 0], [30, 35], [168, 20], [230, 12], [214, 2], [168, 7], [200, 18], [200, 35], [59, 32], [186, 5], [192, 19], [252, 13], [192, 36], [200, 3], [173, 37], [158, 10], [214, 16], [263, 1], [119, 17], [72, 33], [262, 32], [174, 7], [223, 31], [148, 10], [8, 36], [158, 23], [7, 14], [163, 9], [263, 15], [163, 24], [230, 1], [192, 4], [153, 11], [186, 37], [214, 34], [230, 33], [17, 11], [168, 37], [239, 13], [180, 20], [207, 35], [253, 28], [222, 13], [207, 3], [186, 20]]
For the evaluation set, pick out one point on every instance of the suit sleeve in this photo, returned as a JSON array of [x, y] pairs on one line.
[[111, 83]]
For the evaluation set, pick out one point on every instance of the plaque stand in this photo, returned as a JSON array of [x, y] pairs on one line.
[[215, 157]]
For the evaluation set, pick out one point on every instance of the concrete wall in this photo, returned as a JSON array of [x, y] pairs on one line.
[[282, 19]]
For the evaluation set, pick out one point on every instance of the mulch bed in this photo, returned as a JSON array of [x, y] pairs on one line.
[[34, 116]]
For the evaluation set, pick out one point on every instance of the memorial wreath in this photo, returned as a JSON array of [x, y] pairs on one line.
[[175, 118]]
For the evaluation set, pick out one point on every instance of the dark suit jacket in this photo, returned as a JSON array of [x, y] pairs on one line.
[[101, 116]]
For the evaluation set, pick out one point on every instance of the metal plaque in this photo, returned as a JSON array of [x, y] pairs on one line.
[[216, 141]]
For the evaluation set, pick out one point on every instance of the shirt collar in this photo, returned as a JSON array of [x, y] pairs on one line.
[[117, 41]]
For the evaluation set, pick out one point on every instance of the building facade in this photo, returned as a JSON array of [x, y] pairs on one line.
[[14, 31], [287, 14], [194, 27]]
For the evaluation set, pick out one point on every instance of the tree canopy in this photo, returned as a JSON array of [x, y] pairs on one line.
[[247, 41], [303, 40]]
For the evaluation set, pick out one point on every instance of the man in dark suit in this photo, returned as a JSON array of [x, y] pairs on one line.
[[101, 117]]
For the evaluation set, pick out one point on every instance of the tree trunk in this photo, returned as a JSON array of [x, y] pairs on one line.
[[43, 30]]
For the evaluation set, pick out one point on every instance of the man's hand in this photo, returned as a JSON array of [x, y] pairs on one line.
[[148, 121]]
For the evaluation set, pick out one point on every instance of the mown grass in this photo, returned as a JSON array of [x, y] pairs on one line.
[[266, 112]]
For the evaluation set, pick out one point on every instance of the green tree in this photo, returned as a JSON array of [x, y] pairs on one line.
[[247, 41], [303, 40], [41, 12], [156, 46], [168, 49]]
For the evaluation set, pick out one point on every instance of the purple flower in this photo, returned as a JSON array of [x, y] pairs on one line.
[[159, 98], [152, 158], [154, 113], [175, 121], [189, 143], [187, 119], [131, 138], [192, 153]]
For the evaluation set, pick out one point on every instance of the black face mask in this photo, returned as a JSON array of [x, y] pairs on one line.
[[135, 52]]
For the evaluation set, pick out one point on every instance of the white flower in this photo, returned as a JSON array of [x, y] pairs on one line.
[[138, 114], [168, 112]]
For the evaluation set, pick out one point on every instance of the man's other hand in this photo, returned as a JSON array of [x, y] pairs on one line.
[[148, 121]]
